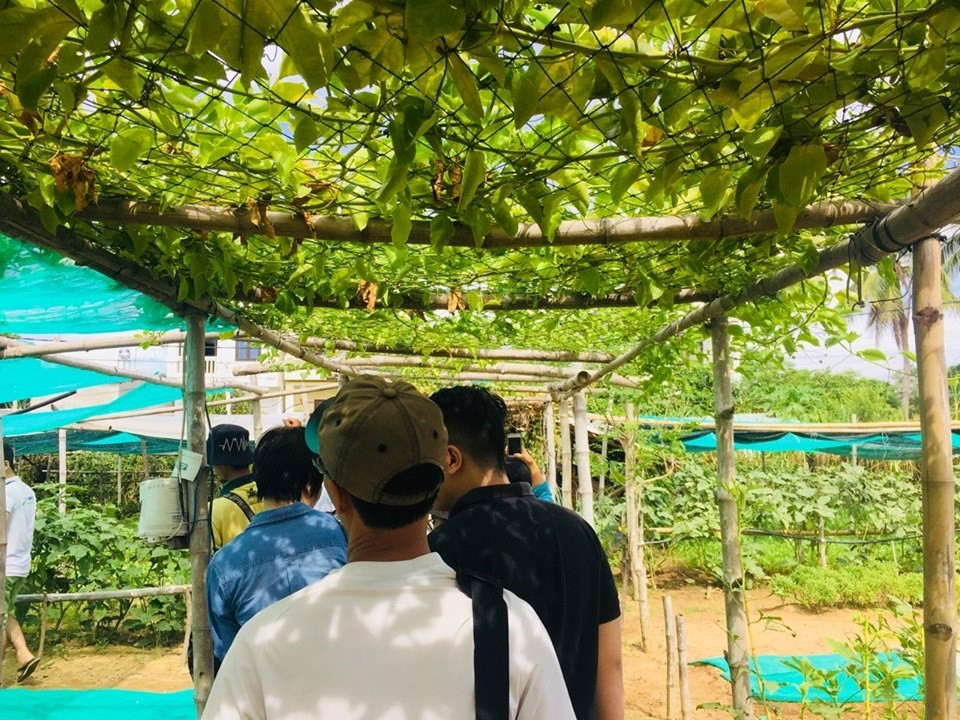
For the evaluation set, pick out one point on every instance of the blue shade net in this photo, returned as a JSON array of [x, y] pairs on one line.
[[44, 293], [96, 705], [783, 678]]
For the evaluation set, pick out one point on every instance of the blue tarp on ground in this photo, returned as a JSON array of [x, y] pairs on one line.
[[783, 681], [96, 704]]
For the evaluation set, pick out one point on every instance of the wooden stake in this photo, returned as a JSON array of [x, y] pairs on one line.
[[634, 493], [670, 631], [550, 432], [119, 479], [566, 456], [44, 605], [187, 626], [582, 437], [62, 479], [822, 544], [686, 706], [938, 483], [193, 403], [738, 655]]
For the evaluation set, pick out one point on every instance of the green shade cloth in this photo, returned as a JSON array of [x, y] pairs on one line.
[[24, 378], [42, 292], [94, 441], [783, 679], [876, 446], [140, 397], [96, 704]]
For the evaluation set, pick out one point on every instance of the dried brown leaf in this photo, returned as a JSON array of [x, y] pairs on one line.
[[367, 292]]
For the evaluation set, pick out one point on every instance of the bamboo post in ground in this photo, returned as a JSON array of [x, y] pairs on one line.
[[193, 408], [44, 606], [566, 456], [634, 492], [605, 446], [187, 625], [938, 483], [550, 432], [686, 706], [62, 479], [145, 457], [822, 543], [670, 632], [119, 479], [738, 656], [582, 437], [257, 420]]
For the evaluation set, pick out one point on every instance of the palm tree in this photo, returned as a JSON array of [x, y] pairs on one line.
[[888, 293]]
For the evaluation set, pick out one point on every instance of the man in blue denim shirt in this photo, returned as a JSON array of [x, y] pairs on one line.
[[287, 546]]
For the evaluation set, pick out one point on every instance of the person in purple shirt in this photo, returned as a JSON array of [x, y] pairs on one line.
[[287, 546]]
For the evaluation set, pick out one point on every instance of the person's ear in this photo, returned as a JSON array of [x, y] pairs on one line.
[[454, 459], [340, 499]]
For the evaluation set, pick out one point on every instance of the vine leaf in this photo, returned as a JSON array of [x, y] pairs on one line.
[[426, 19], [466, 83], [128, 146], [474, 171]]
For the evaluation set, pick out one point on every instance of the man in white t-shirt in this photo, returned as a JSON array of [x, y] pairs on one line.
[[389, 636], [21, 513]]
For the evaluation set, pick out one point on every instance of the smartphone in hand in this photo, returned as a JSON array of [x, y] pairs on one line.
[[514, 444]]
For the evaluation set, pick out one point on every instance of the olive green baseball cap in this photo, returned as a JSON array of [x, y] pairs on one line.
[[376, 429]]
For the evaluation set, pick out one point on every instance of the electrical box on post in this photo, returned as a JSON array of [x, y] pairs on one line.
[[165, 504]]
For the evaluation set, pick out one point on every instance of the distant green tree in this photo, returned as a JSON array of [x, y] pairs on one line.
[[816, 396]]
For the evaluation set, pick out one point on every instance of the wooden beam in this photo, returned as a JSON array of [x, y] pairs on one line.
[[604, 231], [492, 302], [919, 217], [734, 599], [939, 488]]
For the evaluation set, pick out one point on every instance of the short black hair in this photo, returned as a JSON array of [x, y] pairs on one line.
[[9, 455], [283, 465], [475, 419], [414, 480], [518, 470]]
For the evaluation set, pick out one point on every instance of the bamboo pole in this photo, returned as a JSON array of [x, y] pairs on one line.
[[686, 706], [670, 632], [584, 475], [193, 402], [100, 595], [859, 428], [566, 456], [62, 471], [550, 432], [44, 606], [604, 446], [605, 231], [187, 627], [119, 479], [3, 553], [145, 459], [172, 337], [918, 217], [634, 493], [738, 656], [938, 483], [126, 374]]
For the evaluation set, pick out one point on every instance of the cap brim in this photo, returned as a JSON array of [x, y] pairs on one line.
[[311, 432]]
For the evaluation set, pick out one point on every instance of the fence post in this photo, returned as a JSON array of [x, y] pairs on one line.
[[566, 456], [193, 407], [582, 437], [938, 485], [738, 656]]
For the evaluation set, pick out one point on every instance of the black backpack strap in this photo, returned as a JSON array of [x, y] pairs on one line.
[[240, 503], [491, 646]]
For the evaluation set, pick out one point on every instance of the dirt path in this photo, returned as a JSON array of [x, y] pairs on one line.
[[789, 630]]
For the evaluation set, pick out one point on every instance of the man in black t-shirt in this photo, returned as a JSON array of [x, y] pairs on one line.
[[544, 553]]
